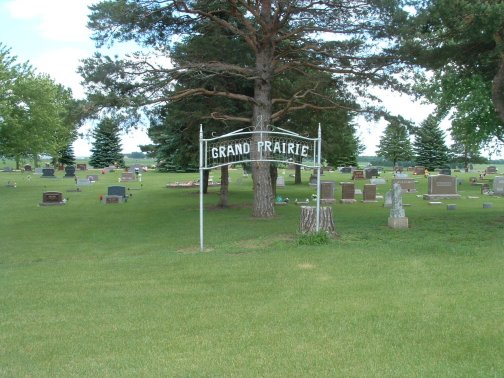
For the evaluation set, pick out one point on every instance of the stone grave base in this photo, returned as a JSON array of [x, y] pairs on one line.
[[431, 197], [52, 203], [369, 201], [347, 201], [113, 199], [327, 201], [398, 222]]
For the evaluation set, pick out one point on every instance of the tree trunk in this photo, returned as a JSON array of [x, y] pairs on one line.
[[263, 195], [308, 220], [498, 90], [273, 177], [224, 187], [206, 175], [297, 174]]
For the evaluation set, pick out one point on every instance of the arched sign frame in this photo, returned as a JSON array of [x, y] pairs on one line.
[[276, 145]]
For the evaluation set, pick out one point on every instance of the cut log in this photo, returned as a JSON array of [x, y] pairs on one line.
[[308, 220]]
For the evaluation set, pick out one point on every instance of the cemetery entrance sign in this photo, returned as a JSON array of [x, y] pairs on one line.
[[245, 146]]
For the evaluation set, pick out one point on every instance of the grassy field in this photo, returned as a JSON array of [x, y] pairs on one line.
[[88, 289]]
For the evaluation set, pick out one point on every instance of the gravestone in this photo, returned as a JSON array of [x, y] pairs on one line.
[[397, 217], [327, 189], [83, 182], [112, 199], [445, 171], [92, 178], [69, 171], [408, 185], [485, 189], [419, 170], [401, 175], [128, 177], [38, 171], [136, 168], [347, 192], [82, 167], [378, 181], [27, 168], [371, 172], [52, 199], [280, 182], [498, 186], [117, 190], [441, 187], [48, 173], [369, 193], [313, 180], [7, 169], [346, 170], [491, 170], [358, 175]]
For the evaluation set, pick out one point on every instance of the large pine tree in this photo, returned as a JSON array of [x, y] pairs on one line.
[[107, 147], [430, 146]]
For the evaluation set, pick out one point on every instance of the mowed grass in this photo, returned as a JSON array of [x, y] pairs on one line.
[[88, 289]]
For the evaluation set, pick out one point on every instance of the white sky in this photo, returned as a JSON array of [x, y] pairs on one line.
[[52, 35]]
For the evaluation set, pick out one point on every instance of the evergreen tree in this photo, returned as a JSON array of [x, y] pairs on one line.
[[67, 156], [107, 147], [430, 147], [394, 143]]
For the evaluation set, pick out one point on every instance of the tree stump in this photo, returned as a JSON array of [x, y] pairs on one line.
[[308, 221]]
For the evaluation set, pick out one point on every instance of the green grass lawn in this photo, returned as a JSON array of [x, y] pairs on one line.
[[88, 289]]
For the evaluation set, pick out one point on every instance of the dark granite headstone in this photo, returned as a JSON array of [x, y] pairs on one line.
[[27, 168], [346, 170], [371, 172], [48, 173], [117, 191], [82, 167], [445, 171], [69, 171]]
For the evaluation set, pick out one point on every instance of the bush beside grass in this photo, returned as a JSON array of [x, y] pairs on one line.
[[122, 290]]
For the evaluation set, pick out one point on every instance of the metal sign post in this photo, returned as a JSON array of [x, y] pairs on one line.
[[278, 145]]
